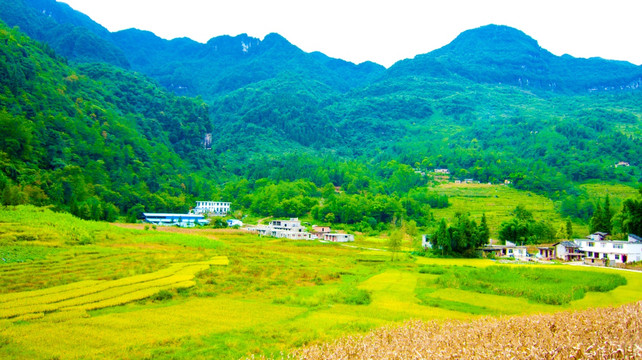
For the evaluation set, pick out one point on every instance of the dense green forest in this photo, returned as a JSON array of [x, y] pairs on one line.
[[93, 139], [107, 125]]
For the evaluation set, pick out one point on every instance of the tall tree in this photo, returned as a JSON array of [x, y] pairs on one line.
[[561, 233], [569, 229], [607, 215], [597, 219], [394, 242], [483, 234], [441, 239], [632, 216]]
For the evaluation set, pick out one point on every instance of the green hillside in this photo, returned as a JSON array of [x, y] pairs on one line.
[[274, 129], [93, 139]]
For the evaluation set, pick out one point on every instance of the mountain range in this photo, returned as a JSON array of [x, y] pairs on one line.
[[491, 105]]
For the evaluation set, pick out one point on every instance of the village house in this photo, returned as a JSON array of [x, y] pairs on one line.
[[508, 250], [610, 252], [598, 236], [181, 220], [338, 237], [320, 231], [568, 251], [212, 208], [425, 242], [234, 222], [288, 229], [546, 252]]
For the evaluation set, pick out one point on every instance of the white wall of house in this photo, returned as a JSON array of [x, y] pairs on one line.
[[516, 252], [615, 251], [289, 225], [425, 242], [338, 237], [212, 207]]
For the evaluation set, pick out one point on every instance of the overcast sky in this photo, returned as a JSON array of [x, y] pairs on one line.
[[385, 31]]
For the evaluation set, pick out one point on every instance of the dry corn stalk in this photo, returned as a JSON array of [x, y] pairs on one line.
[[600, 333]]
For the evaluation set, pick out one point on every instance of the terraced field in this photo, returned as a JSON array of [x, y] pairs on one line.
[[497, 202], [83, 296]]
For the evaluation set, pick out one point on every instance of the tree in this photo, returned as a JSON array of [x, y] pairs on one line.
[[484, 231], [632, 216], [515, 231], [522, 214], [596, 220], [569, 229], [441, 239], [607, 216], [135, 212], [602, 218], [412, 232], [561, 232], [394, 242]]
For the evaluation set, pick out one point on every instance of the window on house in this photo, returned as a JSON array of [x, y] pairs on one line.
[[617, 257], [618, 246], [591, 244]]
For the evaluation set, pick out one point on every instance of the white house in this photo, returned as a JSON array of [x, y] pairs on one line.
[[338, 237], [288, 229], [293, 225], [568, 251], [508, 250], [425, 242], [615, 251], [234, 222], [218, 208]]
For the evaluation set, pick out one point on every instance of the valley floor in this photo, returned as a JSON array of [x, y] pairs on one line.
[[176, 293]]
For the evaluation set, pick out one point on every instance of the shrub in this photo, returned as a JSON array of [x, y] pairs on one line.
[[357, 297], [162, 295]]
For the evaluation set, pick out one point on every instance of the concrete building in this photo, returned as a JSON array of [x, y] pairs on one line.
[[288, 229], [611, 252], [212, 208], [181, 220], [338, 237], [508, 250], [568, 251]]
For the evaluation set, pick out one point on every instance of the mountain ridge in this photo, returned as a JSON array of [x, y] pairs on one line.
[[488, 54]]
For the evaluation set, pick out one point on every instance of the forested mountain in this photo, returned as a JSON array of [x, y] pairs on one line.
[[93, 139], [228, 63], [502, 55], [69, 32], [492, 106]]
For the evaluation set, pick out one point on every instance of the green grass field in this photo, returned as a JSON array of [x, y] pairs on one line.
[[175, 293]]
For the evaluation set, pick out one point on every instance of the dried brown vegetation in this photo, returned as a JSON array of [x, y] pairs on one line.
[[601, 333]]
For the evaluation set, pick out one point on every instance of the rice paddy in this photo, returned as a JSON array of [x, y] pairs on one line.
[[177, 293]]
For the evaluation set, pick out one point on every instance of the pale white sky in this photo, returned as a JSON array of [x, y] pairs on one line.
[[385, 31]]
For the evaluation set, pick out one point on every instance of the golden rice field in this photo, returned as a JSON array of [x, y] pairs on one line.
[[91, 295], [172, 293]]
